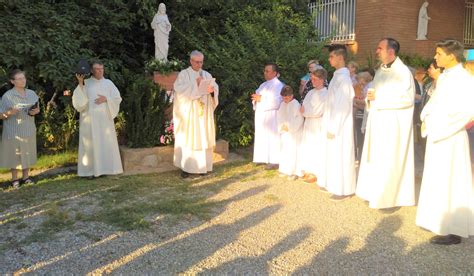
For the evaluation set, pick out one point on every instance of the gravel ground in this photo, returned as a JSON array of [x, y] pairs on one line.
[[265, 225]]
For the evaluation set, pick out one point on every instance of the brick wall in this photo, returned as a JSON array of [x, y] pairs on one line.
[[399, 19]]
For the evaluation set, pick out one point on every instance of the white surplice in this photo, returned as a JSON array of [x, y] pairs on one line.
[[340, 176], [266, 148], [289, 117], [98, 147], [387, 171], [194, 125], [313, 148], [446, 203]]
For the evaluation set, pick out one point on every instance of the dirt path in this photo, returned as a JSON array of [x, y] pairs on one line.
[[261, 224]]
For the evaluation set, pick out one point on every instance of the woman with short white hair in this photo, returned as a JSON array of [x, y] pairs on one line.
[[19, 130]]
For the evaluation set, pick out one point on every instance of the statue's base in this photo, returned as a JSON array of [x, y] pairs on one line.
[[165, 81], [160, 159]]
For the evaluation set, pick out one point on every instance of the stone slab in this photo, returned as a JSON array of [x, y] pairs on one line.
[[160, 159]]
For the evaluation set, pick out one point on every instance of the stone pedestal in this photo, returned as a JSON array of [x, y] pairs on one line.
[[165, 81], [160, 159]]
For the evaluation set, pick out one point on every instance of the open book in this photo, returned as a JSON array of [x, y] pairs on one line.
[[205, 83]]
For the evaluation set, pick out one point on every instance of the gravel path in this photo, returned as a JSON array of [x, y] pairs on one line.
[[262, 225]]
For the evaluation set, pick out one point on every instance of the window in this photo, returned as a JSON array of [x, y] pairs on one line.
[[334, 19], [469, 24]]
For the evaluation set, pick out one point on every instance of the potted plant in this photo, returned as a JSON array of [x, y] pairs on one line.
[[164, 72]]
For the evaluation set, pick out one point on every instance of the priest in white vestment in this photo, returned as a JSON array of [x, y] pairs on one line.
[[313, 149], [340, 177], [98, 101], [196, 97], [290, 126], [446, 203], [266, 101], [387, 172]]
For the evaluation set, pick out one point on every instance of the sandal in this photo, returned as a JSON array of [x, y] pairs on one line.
[[16, 183], [27, 181]]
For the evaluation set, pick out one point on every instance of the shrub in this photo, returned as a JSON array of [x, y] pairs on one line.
[[145, 105], [415, 61], [58, 126], [237, 48]]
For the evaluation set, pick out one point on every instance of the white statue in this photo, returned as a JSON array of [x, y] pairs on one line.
[[423, 22], [162, 27]]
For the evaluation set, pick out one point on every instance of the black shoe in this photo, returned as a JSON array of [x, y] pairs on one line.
[[339, 197], [271, 167], [322, 189], [446, 240], [27, 181], [184, 174], [15, 184]]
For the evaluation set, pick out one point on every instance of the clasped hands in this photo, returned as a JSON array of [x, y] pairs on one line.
[[256, 97], [371, 94]]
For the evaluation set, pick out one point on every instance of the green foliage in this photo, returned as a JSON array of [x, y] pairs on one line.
[[59, 127], [47, 37], [145, 105], [238, 39], [415, 61]]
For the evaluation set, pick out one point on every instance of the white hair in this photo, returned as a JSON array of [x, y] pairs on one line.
[[196, 53]]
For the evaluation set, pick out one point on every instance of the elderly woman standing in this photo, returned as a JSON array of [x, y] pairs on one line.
[[19, 130]]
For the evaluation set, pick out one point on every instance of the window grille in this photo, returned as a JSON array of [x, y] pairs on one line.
[[469, 24], [334, 19]]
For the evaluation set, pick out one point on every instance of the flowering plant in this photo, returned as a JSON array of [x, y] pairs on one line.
[[164, 67], [168, 137]]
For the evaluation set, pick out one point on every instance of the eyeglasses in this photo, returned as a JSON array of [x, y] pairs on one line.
[[197, 61]]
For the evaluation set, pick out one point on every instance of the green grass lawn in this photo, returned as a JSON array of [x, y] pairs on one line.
[[124, 202], [48, 161]]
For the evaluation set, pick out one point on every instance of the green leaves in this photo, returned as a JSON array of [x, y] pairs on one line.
[[47, 38], [238, 38], [145, 105]]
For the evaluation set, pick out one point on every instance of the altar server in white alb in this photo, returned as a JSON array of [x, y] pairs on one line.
[[386, 174], [97, 100], [446, 203], [195, 99], [340, 177], [313, 150], [290, 127], [266, 101]]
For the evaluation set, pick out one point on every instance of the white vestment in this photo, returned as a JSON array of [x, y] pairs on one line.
[[446, 203], [340, 177], [313, 148], [98, 147], [387, 171], [266, 148], [289, 117], [194, 126]]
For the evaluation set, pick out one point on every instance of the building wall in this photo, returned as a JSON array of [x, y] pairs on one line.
[[376, 19]]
